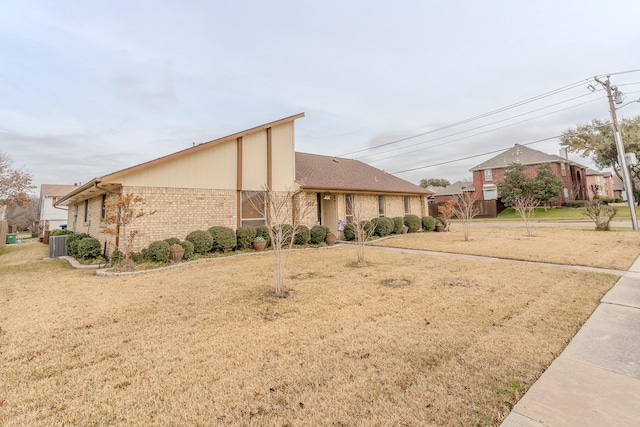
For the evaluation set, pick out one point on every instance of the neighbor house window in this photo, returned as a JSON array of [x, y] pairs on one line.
[[563, 169], [407, 205], [488, 175], [348, 207], [566, 193], [252, 208], [86, 210], [380, 205], [103, 206], [489, 192]]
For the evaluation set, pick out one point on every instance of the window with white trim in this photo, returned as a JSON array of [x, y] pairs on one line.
[[563, 169], [488, 174], [252, 208]]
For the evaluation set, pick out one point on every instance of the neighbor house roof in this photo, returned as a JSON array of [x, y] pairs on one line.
[[523, 155], [316, 172], [591, 172], [456, 188], [56, 190]]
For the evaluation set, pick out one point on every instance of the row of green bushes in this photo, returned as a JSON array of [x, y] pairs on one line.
[[382, 227]]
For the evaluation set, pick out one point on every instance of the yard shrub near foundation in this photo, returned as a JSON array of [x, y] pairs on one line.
[[60, 232], [202, 241], [263, 232], [188, 249], [245, 236], [381, 227], [398, 224], [72, 243], [224, 238], [89, 248], [172, 241], [349, 232], [413, 222], [317, 234], [159, 251], [390, 224], [116, 257], [428, 223], [303, 236]]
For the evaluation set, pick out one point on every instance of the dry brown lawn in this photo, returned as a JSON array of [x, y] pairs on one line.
[[399, 341], [574, 246]]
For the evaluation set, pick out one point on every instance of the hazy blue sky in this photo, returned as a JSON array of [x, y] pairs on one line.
[[91, 87]]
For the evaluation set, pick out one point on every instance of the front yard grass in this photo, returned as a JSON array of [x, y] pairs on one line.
[[574, 246], [406, 340]]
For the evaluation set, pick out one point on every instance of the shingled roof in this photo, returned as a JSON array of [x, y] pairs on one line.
[[316, 172], [56, 190], [456, 188], [523, 155]]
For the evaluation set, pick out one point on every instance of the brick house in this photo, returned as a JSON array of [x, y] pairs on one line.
[[452, 191], [212, 184], [600, 181], [487, 174]]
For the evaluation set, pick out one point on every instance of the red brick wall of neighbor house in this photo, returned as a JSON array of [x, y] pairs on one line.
[[574, 174]]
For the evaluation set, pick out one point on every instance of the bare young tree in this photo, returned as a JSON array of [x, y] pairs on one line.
[[284, 213], [599, 212], [465, 210], [121, 212], [362, 233], [526, 206]]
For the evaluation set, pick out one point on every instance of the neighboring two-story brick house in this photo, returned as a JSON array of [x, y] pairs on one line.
[[214, 183], [600, 183], [487, 174]]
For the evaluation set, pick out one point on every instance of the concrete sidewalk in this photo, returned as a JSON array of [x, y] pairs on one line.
[[596, 379]]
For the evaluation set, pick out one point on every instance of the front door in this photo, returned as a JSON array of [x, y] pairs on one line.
[[330, 212]]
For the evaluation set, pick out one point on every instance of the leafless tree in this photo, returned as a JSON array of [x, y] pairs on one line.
[[23, 214], [14, 183], [284, 213], [121, 211], [526, 207], [599, 212], [465, 210], [362, 233]]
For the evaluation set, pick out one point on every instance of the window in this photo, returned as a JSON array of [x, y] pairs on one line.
[[563, 169], [103, 207], [489, 192], [407, 205], [488, 175], [566, 193], [380, 205], [86, 210], [348, 207], [252, 208]]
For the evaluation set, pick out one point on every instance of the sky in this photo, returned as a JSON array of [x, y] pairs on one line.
[[89, 88]]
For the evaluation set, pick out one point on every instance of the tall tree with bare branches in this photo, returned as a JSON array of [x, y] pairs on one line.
[[465, 210], [362, 233], [14, 183], [284, 213]]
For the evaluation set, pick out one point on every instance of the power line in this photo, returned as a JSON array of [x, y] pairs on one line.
[[479, 127], [481, 116], [471, 157]]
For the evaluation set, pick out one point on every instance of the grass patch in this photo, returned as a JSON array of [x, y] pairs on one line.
[[562, 214], [207, 344], [615, 250]]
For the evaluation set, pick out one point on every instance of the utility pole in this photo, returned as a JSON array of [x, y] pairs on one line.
[[621, 154]]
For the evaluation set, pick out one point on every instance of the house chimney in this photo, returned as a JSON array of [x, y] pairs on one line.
[[564, 153]]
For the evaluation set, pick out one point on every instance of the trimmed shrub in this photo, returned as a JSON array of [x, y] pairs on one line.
[[60, 232], [263, 231], [89, 248], [224, 238], [136, 256], [349, 231], [398, 224], [381, 227], [202, 241], [159, 251], [72, 243], [428, 223], [317, 234], [172, 241], [116, 257], [440, 221], [390, 224], [413, 222], [287, 231], [245, 236], [303, 236], [188, 249]]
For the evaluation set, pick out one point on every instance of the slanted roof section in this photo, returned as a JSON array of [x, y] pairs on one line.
[[591, 172], [456, 188], [56, 190], [316, 172], [523, 155], [101, 185]]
